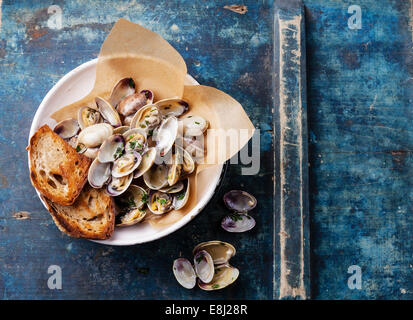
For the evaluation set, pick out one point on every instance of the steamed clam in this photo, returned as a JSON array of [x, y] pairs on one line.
[[112, 148], [117, 186], [95, 135], [131, 104], [126, 164], [241, 203], [172, 107], [122, 89], [194, 125], [184, 273], [108, 112], [166, 135], [99, 173], [135, 139], [67, 128], [159, 202], [148, 159], [131, 206], [87, 116], [156, 177], [146, 118]]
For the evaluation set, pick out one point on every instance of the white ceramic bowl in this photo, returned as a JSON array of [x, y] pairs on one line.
[[74, 86]]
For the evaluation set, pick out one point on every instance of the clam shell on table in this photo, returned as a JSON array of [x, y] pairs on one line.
[[131, 104], [122, 89], [224, 275], [220, 251], [126, 164], [204, 266], [238, 222], [172, 107], [117, 186], [108, 112], [67, 129], [131, 206], [87, 117], [156, 177], [95, 135], [99, 173], [112, 148], [239, 201], [148, 159], [184, 273]]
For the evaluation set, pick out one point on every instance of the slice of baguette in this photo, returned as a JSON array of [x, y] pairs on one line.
[[91, 216], [57, 171]]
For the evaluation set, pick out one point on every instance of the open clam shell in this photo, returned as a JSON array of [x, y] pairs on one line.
[[159, 202], [220, 251], [87, 117], [239, 201], [194, 125], [67, 128], [135, 139], [91, 152], [166, 135], [146, 118], [122, 89], [95, 135], [148, 159], [121, 130], [204, 266], [99, 173], [184, 273], [108, 112], [172, 107], [131, 206], [126, 164], [238, 222], [131, 104], [177, 187], [224, 275], [156, 177], [117, 186], [112, 148], [181, 198], [175, 170]]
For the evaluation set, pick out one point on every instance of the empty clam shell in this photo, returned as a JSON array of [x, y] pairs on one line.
[[95, 135], [67, 128], [177, 187], [220, 251], [135, 139], [184, 273], [130, 205], [194, 125], [181, 198], [87, 117], [99, 173], [131, 104], [148, 159], [108, 112], [238, 222], [172, 107], [112, 148], [126, 164], [204, 266], [224, 276], [239, 201], [156, 177], [159, 202], [122, 89], [117, 186], [121, 130], [166, 135]]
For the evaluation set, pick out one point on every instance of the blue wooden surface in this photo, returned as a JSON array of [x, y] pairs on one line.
[[360, 148]]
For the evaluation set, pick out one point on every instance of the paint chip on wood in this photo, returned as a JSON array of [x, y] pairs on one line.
[[238, 8], [21, 215]]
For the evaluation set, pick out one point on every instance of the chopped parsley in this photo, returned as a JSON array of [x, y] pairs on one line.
[[200, 258], [132, 144], [181, 196], [145, 198], [78, 148], [118, 152], [142, 126], [215, 286], [162, 201], [197, 122]]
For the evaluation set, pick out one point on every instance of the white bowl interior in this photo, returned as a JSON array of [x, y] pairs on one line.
[[76, 85]]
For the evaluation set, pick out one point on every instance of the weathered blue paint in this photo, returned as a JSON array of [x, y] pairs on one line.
[[360, 147]]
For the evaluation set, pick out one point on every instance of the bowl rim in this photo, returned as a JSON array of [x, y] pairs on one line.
[[163, 232]]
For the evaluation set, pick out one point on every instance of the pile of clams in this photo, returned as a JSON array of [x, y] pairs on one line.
[[142, 150], [240, 202], [211, 267]]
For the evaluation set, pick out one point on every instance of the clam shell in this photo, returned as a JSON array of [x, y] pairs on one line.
[[122, 89], [131, 104], [224, 276], [131, 204], [91, 153], [146, 118], [181, 198], [135, 139], [194, 125], [67, 129], [220, 251], [172, 107], [179, 186], [121, 130], [184, 273], [204, 266], [239, 201], [95, 135], [238, 222], [175, 170], [166, 135], [112, 148], [99, 173], [117, 186], [156, 177], [148, 159], [126, 164], [159, 202], [108, 112], [87, 117]]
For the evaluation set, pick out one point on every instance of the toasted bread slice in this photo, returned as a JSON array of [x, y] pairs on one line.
[[91, 216], [57, 171]]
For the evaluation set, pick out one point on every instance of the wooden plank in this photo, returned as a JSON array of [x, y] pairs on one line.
[[291, 166]]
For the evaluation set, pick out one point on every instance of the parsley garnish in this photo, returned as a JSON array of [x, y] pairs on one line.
[[78, 148], [145, 198], [200, 258], [118, 152], [215, 286], [197, 122], [181, 196]]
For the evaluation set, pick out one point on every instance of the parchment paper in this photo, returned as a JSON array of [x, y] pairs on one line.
[[133, 51]]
